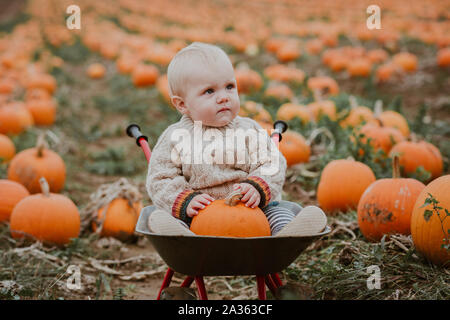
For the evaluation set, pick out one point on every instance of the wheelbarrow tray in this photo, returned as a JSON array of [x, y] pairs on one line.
[[224, 256]]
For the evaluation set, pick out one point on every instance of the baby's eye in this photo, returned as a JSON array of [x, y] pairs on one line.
[[230, 86], [209, 91]]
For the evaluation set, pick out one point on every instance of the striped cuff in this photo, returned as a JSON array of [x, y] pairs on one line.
[[262, 187], [181, 203]]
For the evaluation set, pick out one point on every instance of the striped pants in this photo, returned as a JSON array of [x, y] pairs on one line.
[[278, 216]]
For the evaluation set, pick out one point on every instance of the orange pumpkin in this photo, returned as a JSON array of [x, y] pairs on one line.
[[120, 220], [321, 108], [394, 119], [384, 72], [279, 91], [230, 218], [42, 81], [10, 194], [144, 75], [294, 148], [359, 67], [357, 115], [7, 149], [43, 111], [248, 80], [14, 118], [407, 61], [96, 71], [162, 84], [430, 232], [255, 111], [342, 183], [29, 165], [443, 57], [325, 84], [415, 154], [289, 111], [387, 204], [381, 137], [48, 217]]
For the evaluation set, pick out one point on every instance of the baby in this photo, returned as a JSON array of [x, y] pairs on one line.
[[187, 175]]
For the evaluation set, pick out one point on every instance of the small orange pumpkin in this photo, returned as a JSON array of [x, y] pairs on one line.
[[120, 220], [230, 217], [289, 111], [48, 217], [7, 148], [96, 71], [294, 148], [10, 194], [144, 75], [248, 80]]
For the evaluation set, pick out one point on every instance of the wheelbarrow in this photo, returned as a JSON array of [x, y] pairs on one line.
[[200, 256]]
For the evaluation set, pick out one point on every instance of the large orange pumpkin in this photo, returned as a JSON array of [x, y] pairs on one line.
[[381, 137], [342, 183], [46, 216], [10, 194], [230, 218], [386, 205], [430, 231], [120, 220], [29, 165], [294, 148]]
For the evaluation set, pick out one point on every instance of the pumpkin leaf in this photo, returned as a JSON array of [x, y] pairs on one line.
[[427, 215]]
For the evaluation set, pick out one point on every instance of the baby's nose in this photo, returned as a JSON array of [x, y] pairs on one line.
[[221, 98]]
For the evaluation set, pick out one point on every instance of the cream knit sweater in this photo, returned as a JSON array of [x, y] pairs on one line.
[[174, 178]]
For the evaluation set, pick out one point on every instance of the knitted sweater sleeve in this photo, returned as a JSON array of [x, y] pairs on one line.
[[267, 175], [166, 185]]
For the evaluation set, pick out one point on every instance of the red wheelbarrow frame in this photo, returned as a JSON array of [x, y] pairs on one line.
[[196, 256]]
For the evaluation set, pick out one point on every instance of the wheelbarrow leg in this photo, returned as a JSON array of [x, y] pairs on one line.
[[201, 288], [276, 279], [187, 282], [166, 282], [261, 287], [270, 284]]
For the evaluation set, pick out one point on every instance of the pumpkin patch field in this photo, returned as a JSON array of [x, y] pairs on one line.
[[368, 140]]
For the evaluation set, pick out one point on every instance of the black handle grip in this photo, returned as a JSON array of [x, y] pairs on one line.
[[280, 126], [134, 131]]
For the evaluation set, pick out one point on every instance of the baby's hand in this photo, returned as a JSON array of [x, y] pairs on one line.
[[250, 194], [198, 202]]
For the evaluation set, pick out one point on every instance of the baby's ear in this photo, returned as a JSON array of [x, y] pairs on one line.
[[178, 102]]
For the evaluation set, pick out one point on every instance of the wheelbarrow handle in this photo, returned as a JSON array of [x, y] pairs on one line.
[[134, 131], [280, 126]]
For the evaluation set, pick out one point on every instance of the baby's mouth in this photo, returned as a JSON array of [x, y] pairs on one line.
[[223, 109]]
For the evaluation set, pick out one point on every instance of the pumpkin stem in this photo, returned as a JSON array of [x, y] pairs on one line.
[[317, 95], [353, 102], [44, 186], [378, 108], [40, 145], [396, 167], [233, 198]]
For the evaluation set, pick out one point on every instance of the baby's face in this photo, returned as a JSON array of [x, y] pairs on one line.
[[211, 95]]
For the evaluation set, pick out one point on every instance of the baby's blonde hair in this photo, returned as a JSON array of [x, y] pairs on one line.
[[177, 72]]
